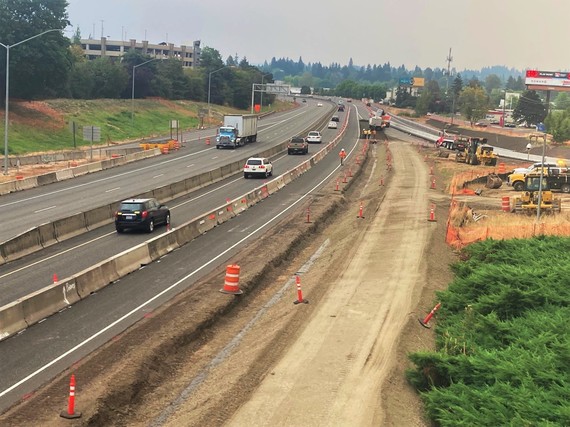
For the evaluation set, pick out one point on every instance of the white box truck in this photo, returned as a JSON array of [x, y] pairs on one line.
[[237, 130]]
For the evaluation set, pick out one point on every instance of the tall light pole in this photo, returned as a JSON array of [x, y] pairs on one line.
[[133, 88], [210, 84], [8, 47]]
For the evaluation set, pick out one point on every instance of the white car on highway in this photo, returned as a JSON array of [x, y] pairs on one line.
[[314, 136], [257, 166], [332, 125]]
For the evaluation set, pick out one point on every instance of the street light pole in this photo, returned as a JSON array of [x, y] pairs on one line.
[[8, 47], [133, 88], [210, 84]]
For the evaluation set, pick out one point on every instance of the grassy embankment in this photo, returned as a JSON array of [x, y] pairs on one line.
[[46, 125], [502, 338]]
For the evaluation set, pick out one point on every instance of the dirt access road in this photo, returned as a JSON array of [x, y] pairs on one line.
[[337, 361]]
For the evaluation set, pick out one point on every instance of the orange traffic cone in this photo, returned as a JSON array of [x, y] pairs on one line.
[[433, 183], [425, 322], [432, 214], [300, 299], [70, 413], [231, 283], [55, 279], [360, 211]]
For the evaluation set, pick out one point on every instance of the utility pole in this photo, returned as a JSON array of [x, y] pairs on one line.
[[449, 59]]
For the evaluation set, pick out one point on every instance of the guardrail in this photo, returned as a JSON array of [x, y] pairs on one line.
[[26, 311]]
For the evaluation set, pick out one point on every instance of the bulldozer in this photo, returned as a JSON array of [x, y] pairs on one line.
[[528, 201], [476, 152]]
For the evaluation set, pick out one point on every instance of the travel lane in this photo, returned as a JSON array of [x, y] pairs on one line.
[[23, 210], [31, 273], [33, 357]]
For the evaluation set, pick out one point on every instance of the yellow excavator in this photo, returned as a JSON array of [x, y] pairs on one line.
[[536, 195]]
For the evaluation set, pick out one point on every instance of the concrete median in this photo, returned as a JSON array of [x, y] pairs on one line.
[[132, 259], [95, 278], [46, 178], [12, 319], [8, 187], [47, 234], [178, 189], [49, 300], [80, 170], [70, 226], [186, 233], [207, 222], [162, 245], [27, 183], [97, 217], [64, 174], [24, 244], [162, 193], [94, 167]]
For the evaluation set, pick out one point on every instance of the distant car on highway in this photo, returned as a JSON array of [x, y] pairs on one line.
[[335, 119], [320, 104], [314, 136], [257, 166], [332, 125], [141, 214], [481, 124]]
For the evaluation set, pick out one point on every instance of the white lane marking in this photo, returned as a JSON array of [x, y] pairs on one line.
[[55, 255], [44, 209], [189, 166], [214, 158], [112, 189], [157, 176], [174, 285]]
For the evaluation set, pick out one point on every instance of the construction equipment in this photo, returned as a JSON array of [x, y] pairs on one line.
[[476, 152], [535, 195]]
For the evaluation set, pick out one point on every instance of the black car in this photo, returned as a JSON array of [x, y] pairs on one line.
[[335, 119], [141, 214]]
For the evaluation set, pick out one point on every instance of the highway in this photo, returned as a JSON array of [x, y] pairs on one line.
[[45, 349], [58, 200]]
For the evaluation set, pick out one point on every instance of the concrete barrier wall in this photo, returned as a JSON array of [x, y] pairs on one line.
[[94, 167], [99, 216], [95, 278], [27, 183], [161, 245], [178, 189], [47, 234], [131, 260], [80, 170], [47, 178], [12, 319], [64, 174], [186, 232], [7, 187], [70, 226], [207, 222], [21, 245], [162, 193], [49, 300]]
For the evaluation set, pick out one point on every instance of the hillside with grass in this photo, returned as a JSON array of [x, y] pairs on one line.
[[40, 126]]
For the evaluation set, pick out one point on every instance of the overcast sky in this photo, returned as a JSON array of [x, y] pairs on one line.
[[515, 33]]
